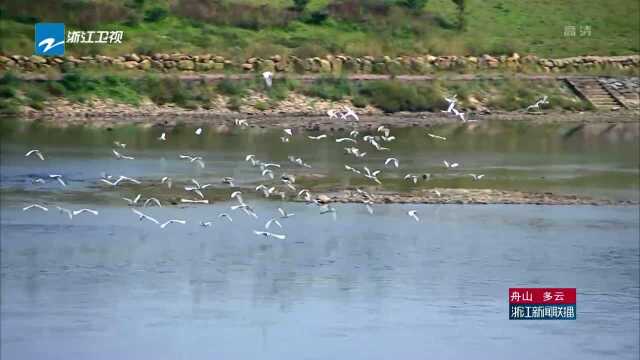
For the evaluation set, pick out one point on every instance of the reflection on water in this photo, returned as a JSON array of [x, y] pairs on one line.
[[361, 287], [364, 287], [599, 160]]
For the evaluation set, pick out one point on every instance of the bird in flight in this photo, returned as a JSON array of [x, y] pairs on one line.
[[35, 151], [268, 234]]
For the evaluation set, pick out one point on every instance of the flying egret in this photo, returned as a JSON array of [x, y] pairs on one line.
[[226, 216], [392, 160], [119, 144], [284, 214], [317, 137], [339, 140], [198, 131], [34, 206], [133, 201], [172, 221], [58, 178], [120, 156], [272, 221], [450, 165], [81, 211], [476, 177], [35, 151], [65, 211], [414, 214], [268, 234], [163, 137], [152, 200], [145, 217]]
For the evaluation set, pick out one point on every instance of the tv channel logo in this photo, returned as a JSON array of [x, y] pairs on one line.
[[49, 39]]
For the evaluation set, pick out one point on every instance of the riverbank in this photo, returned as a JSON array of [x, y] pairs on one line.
[[308, 116]]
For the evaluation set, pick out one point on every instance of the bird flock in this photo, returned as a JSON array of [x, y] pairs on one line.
[[275, 181]]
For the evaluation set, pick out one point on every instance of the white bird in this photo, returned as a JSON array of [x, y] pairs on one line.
[[133, 201], [368, 204], [58, 178], [388, 138], [348, 112], [167, 180], [249, 157], [352, 169], [333, 114], [38, 181], [268, 78], [537, 104], [172, 221], [459, 114], [36, 206], [35, 151], [196, 159], [120, 156], [326, 209], [268, 234], [384, 130], [411, 177], [450, 165], [317, 137], [437, 192], [393, 160], [189, 201], [119, 144], [226, 216], [65, 211], [241, 122], [476, 177], [437, 136], [90, 211], [206, 223], [339, 140], [354, 134], [198, 131], [288, 132], [272, 221], [284, 214], [452, 102], [414, 214], [152, 200], [145, 217], [237, 195], [228, 180], [163, 137], [267, 172], [284, 139]]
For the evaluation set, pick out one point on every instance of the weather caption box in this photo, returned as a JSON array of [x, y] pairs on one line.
[[542, 303]]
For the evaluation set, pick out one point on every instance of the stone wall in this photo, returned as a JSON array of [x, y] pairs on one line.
[[335, 64]]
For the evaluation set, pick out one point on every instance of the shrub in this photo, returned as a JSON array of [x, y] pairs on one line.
[[393, 96], [155, 14], [232, 88], [330, 88]]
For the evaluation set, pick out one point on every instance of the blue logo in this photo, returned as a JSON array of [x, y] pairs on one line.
[[50, 39]]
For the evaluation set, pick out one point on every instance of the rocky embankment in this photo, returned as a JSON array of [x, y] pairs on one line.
[[335, 64]]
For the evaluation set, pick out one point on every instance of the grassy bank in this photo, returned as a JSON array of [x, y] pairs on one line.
[[389, 96], [246, 28]]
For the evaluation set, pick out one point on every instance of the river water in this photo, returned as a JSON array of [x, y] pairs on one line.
[[359, 287]]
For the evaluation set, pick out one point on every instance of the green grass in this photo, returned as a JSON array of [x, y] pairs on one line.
[[243, 30], [389, 96]]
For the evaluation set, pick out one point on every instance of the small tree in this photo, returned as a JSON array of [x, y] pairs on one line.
[[415, 5], [300, 5], [460, 4]]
